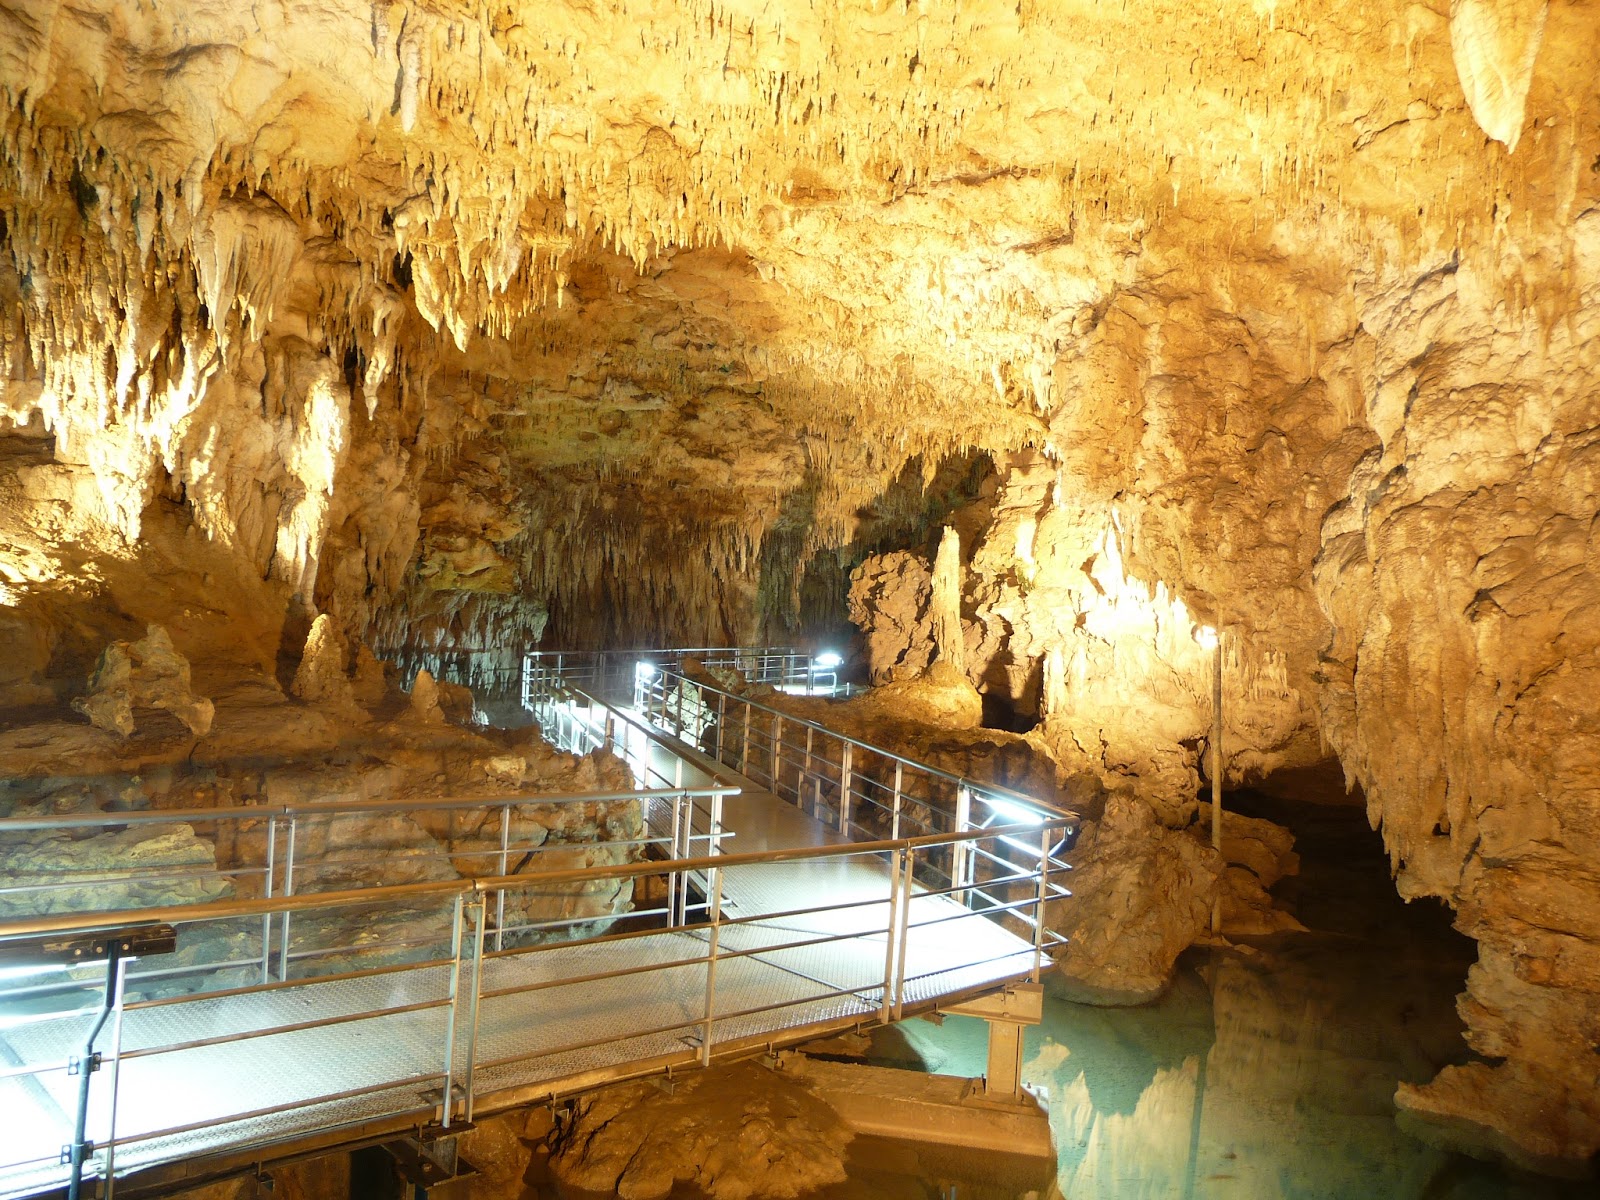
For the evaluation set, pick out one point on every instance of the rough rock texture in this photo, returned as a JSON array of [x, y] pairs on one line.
[[736, 1133], [451, 323], [1141, 895], [143, 674]]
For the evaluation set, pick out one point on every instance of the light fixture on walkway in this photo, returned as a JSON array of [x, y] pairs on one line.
[[644, 671], [827, 661]]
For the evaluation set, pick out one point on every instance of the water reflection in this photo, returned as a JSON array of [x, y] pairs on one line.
[[1267, 1071]]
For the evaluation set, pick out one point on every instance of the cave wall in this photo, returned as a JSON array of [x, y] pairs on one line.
[[609, 320]]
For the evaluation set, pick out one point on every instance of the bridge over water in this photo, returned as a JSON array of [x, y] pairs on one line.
[[791, 883]]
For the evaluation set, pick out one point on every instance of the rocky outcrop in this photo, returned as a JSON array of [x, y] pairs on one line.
[[448, 324], [740, 1133], [1141, 895], [145, 674]]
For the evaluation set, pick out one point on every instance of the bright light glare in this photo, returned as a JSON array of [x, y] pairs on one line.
[[828, 661], [1015, 814], [1206, 636], [644, 671]]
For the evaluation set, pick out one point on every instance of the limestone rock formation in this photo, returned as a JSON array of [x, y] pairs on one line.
[[148, 673], [455, 324], [740, 1133], [1141, 895], [889, 603], [322, 677]]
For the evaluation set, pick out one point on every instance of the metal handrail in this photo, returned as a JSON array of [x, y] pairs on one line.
[[256, 812], [996, 789], [217, 910]]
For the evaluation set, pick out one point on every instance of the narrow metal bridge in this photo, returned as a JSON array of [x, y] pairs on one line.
[[788, 883]]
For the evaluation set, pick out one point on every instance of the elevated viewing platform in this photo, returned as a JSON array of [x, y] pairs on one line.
[[786, 884]]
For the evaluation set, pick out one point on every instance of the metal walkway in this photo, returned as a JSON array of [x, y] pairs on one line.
[[806, 927]]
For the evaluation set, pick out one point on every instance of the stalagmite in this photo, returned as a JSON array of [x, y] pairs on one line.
[[447, 329], [946, 603]]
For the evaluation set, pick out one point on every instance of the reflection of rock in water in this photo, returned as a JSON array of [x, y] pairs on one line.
[[1270, 1072]]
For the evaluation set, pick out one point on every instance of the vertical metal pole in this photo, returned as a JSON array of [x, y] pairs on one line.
[[744, 749], [908, 878], [116, 1074], [711, 969], [266, 894], [447, 1102], [886, 1005], [1038, 905], [899, 776], [774, 767], [1216, 776], [675, 878], [716, 829], [722, 723], [961, 856], [475, 993], [806, 768], [846, 778], [500, 894], [288, 890]]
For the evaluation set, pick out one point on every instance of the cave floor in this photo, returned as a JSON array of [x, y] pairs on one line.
[[1268, 1070]]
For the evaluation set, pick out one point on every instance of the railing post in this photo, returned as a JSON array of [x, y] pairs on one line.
[[774, 770], [894, 808], [907, 881], [675, 915], [475, 993], [447, 1101], [961, 858], [1038, 909], [744, 749], [722, 723], [267, 885], [806, 768], [711, 968], [505, 863], [116, 1076], [288, 890], [886, 1005], [846, 778]]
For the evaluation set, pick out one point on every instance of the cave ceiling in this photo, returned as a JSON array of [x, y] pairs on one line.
[[692, 259]]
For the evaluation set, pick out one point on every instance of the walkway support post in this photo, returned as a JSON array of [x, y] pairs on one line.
[[711, 968], [891, 934], [961, 858], [846, 779]]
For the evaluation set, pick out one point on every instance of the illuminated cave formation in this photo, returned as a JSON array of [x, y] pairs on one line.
[[435, 325]]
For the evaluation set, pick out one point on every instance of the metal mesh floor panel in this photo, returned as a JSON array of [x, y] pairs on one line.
[[570, 1010]]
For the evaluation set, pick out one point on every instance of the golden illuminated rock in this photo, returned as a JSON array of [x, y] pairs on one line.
[[450, 323]]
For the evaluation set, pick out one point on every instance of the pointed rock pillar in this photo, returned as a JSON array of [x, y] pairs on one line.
[[947, 634]]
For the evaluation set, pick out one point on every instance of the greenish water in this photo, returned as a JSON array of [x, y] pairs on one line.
[[1269, 1071]]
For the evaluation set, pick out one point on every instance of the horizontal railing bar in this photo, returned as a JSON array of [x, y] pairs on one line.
[[507, 1060], [150, 874], [978, 788], [309, 1102], [831, 995], [218, 910], [278, 985], [263, 812], [545, 985], [371, 1014]]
